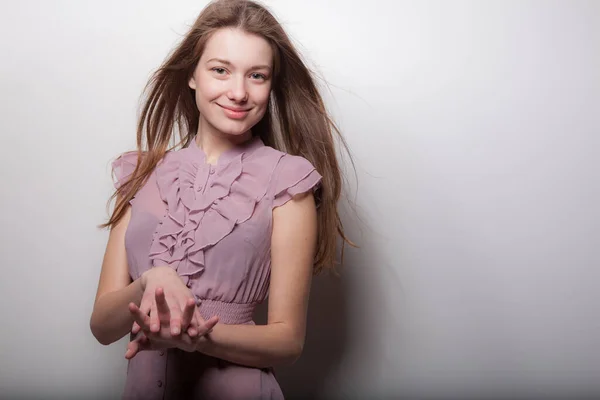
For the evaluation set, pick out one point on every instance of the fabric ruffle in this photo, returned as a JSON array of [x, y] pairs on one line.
[[296, 175], [123, 167], [181, 237]]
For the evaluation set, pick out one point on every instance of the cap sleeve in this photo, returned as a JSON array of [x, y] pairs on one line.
[[295, 175], [123, 167]]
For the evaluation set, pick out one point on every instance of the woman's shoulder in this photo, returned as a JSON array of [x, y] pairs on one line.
[[292, 174], [126, 158], [284, 160], [123, 166]]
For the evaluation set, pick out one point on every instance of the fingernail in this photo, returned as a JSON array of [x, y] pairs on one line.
[[154, 327], [175, 331]]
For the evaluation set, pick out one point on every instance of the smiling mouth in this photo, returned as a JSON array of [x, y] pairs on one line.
[[233, 109]]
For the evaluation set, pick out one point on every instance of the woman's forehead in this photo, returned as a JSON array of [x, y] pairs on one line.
[[239, 48]]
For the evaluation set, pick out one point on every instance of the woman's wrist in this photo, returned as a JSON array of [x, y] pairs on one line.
[[151, 272], [202, 343], [143, 280]]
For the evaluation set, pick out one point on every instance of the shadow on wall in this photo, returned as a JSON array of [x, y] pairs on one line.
[[326, 339], [351, 303]]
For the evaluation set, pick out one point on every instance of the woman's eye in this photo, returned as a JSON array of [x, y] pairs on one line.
[[219, 71], [258, 76]]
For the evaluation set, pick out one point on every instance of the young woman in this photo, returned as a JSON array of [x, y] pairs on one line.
[[244, 205]]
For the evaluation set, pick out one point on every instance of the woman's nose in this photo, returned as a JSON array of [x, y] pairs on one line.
[[237, 90]]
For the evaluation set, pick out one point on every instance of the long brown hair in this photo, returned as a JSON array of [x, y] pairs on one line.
[[296, 120]]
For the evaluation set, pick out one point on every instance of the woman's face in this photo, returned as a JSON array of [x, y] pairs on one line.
[[232, 81]]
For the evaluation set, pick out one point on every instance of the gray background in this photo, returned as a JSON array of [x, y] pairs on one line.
[[474, 126]]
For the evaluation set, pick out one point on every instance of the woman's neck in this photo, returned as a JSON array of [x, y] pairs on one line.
[[214, 142]]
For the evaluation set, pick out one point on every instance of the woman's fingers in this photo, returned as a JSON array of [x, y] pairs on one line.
[[194, 328], [188, 315], [173, 309], [164, 313], [170, 315], [140, 343], [154, 320], [203, 327], [142, 319], [145, 308], [132, 348], [135, 328], [210, 324]]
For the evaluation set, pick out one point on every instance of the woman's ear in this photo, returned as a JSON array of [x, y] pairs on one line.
[[192, 83]]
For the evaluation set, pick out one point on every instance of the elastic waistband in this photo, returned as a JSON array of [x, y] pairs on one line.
[[228, 313]]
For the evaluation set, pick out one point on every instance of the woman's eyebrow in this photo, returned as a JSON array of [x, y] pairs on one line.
[[222, 61]]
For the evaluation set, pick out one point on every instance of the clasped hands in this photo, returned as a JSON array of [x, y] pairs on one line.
[[167, 316]]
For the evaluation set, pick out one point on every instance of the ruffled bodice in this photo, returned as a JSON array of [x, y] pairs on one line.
[[212, 223]]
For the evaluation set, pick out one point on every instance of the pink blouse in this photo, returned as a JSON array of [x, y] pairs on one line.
[[212, 224]]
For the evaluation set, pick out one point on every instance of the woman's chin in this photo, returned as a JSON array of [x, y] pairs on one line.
[[229, 128], [233, 131]]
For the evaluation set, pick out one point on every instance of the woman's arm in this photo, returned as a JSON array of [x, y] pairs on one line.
[[281, 341], [111, 319]]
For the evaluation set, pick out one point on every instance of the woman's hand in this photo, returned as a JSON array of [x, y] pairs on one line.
[[142, 342], [177, 296], [164, 338]]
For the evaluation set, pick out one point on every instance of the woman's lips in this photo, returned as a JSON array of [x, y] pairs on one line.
[[234, 113]]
